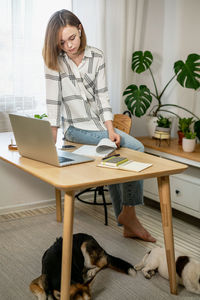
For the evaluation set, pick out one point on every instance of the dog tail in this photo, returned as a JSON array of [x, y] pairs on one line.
[[121, 265]]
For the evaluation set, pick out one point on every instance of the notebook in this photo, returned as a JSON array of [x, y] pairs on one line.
[[34, 140], [128, 165]]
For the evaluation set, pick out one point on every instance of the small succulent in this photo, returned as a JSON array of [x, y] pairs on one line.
[[190, 135], [163, 122], [184, 124]]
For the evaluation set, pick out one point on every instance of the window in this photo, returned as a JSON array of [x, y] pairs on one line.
[[22, 30]]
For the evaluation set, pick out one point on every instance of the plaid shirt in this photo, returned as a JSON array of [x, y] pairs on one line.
[[78, 96]]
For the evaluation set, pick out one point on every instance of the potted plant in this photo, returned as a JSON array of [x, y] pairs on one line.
[[183, 127], [163, 123], [162, 130], [189, 141], [139, 98]]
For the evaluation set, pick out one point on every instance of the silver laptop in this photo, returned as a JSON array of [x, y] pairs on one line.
[[34, 140]]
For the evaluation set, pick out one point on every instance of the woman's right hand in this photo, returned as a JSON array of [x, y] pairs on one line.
[[115, 137]]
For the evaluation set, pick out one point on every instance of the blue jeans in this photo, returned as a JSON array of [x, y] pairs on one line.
[[128, 193]]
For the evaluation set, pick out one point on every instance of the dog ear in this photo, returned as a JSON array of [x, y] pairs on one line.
[[37, 286], [56, 294]]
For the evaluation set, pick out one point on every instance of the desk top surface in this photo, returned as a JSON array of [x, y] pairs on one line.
[[173, 148], [87, 175]]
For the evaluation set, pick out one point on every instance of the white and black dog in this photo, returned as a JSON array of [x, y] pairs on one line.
[[187, 269]]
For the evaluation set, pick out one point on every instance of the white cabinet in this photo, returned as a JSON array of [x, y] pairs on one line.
[[185, 189]]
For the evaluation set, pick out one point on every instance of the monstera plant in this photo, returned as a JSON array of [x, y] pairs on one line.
[[139, 98]]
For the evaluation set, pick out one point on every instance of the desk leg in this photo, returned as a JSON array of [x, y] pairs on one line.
[[67, 244], [58, 205], [166, 211]]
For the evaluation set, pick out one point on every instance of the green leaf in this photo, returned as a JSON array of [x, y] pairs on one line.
[[40, 116], [184, 124], [188, 73], [197, 128], [138, 99], [163, 122], [141, 61], [37, 116], [190, 135]]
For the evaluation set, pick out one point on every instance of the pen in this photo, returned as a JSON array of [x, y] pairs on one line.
[[110, 156]]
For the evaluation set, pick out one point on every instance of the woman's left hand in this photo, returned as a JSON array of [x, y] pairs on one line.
[[115, 137]]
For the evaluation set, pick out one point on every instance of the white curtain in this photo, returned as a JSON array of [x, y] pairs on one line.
[[115, 26], [22, 30]]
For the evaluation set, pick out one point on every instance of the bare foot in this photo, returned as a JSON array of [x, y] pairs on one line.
[[132, 226], [143, 235]]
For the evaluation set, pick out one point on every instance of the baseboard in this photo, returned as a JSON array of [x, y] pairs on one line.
[[39, 204], [27, 206]]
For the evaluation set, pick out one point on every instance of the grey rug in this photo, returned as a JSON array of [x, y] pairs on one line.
[[25, 236]]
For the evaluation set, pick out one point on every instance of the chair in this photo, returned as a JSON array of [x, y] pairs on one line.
[[122, 122]]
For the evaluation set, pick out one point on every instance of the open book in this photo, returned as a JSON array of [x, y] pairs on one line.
[[128, 165], [104, 148]]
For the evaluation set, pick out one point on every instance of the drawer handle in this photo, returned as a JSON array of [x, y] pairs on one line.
[[177, 192]]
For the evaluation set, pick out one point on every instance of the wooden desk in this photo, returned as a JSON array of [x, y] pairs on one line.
[[75, 177]]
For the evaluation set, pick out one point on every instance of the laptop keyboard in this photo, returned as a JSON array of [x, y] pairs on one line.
[[64, 159]]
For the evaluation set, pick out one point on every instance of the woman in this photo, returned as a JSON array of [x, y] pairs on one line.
[[77, 99]]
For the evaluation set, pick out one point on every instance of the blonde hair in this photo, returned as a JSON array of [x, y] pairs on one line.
[[52, 48]]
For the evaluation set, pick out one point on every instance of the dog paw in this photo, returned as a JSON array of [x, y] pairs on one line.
[[147, 276], [138, 267], [92, 272], [151, 272], [132, 272]]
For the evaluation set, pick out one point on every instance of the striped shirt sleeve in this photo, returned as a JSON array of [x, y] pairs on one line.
[[101, 92], [53, 96]]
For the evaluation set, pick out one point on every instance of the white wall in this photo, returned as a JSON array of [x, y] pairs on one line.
[[18, 189], [4, 122]]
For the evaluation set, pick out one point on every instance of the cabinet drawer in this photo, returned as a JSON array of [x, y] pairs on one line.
[[151, 186], [185, 192]]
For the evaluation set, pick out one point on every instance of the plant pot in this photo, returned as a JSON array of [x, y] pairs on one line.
[[162, 133], [151, 123], [188, 145], [180, 137], [162, 129]]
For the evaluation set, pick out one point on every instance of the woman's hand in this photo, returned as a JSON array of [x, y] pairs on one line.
[[113, 136]]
